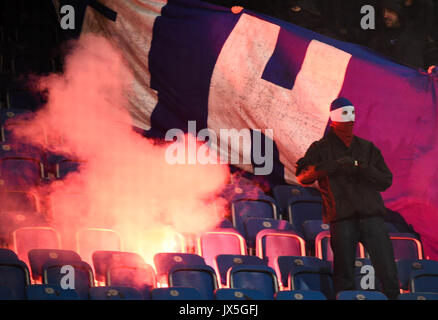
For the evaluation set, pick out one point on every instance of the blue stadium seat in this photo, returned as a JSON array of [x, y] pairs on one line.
[[312, 228], [15, 275], [39, 257], [176, 293], [20, 173], [15, 115], [406, 266], [7, 255], [22, 100], [360, 295], [257, 277], [302, 209], [164, 262], [220, 241], [364, 265], [6, 293], [300, 295], [261, 206], [424, 279], [201, 277], [114, 293], [283, 193], [254, 225], [50, 292], [312, 278], [406, 246], [418, 296], [19, 201], [240, 294], [83, 275], [286, 264], [224, 262], [64, 167], [102, 260], [141, 278]]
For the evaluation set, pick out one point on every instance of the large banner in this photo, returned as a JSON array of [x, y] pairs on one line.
[[200, 66]]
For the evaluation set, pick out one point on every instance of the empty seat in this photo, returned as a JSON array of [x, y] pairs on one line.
[[302, 209], [406, 266], [254, 225], [14, 275], [15, 115], [224, 262], [103, 260], [312, 228], [201, 277], [59, 272], [424, 279], [7, 255], [96, 239], [406, 246], [28, 238], [286, 264], [300, 295], [176, 293], [418, 296], [271, 244], [240, 294], [261, 278], [64, 167], [39, 257], [360, 295], [6, 293], [23, 100], [283, 193], [114, 293], [19, 201], [165, 261], [312, 278], [50, 292], [323, 249], [141, 278], [20, 173], [220, 241], [261, 206]]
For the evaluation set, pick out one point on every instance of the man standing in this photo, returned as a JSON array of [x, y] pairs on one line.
[[351, 173]]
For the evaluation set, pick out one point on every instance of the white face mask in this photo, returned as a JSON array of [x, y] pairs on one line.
[[344, 114]]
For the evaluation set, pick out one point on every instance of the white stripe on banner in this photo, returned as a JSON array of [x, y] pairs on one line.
[[239, 98]]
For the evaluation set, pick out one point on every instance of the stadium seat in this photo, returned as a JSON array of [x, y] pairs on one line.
[[406, 246], [261, 206], [176, 293], [240, 294], [55, 271], [323, 249], [103, 260], [256, 277], [254, 225], [6, 293], [424, 279], [360, 295], [7, 255], [164, 262], [220, 241], [60, 203], [406, 266], [28, 238], [302, 209], [114, 293], [224, 262], [201, 277], [96, 239], [300, 295], [312, 228], [20, 173], [39, 257], [22, 100], [141, 278], [50, 292], [64, 167], [19, 201], [283, 193], [418, 296], [14, 275], [362, 268], [271, 244], [312, 278], [286, 264]]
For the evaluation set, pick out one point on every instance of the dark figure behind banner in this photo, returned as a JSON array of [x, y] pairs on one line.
[[351, 173]]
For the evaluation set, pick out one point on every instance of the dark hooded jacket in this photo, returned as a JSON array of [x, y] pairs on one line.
[[347, 190]]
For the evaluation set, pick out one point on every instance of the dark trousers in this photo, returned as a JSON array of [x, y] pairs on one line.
[[372, 233]]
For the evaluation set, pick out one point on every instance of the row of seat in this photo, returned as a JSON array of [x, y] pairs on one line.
[[127, 269]]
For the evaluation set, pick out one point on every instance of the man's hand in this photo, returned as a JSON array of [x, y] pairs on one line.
[[345, 161]]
